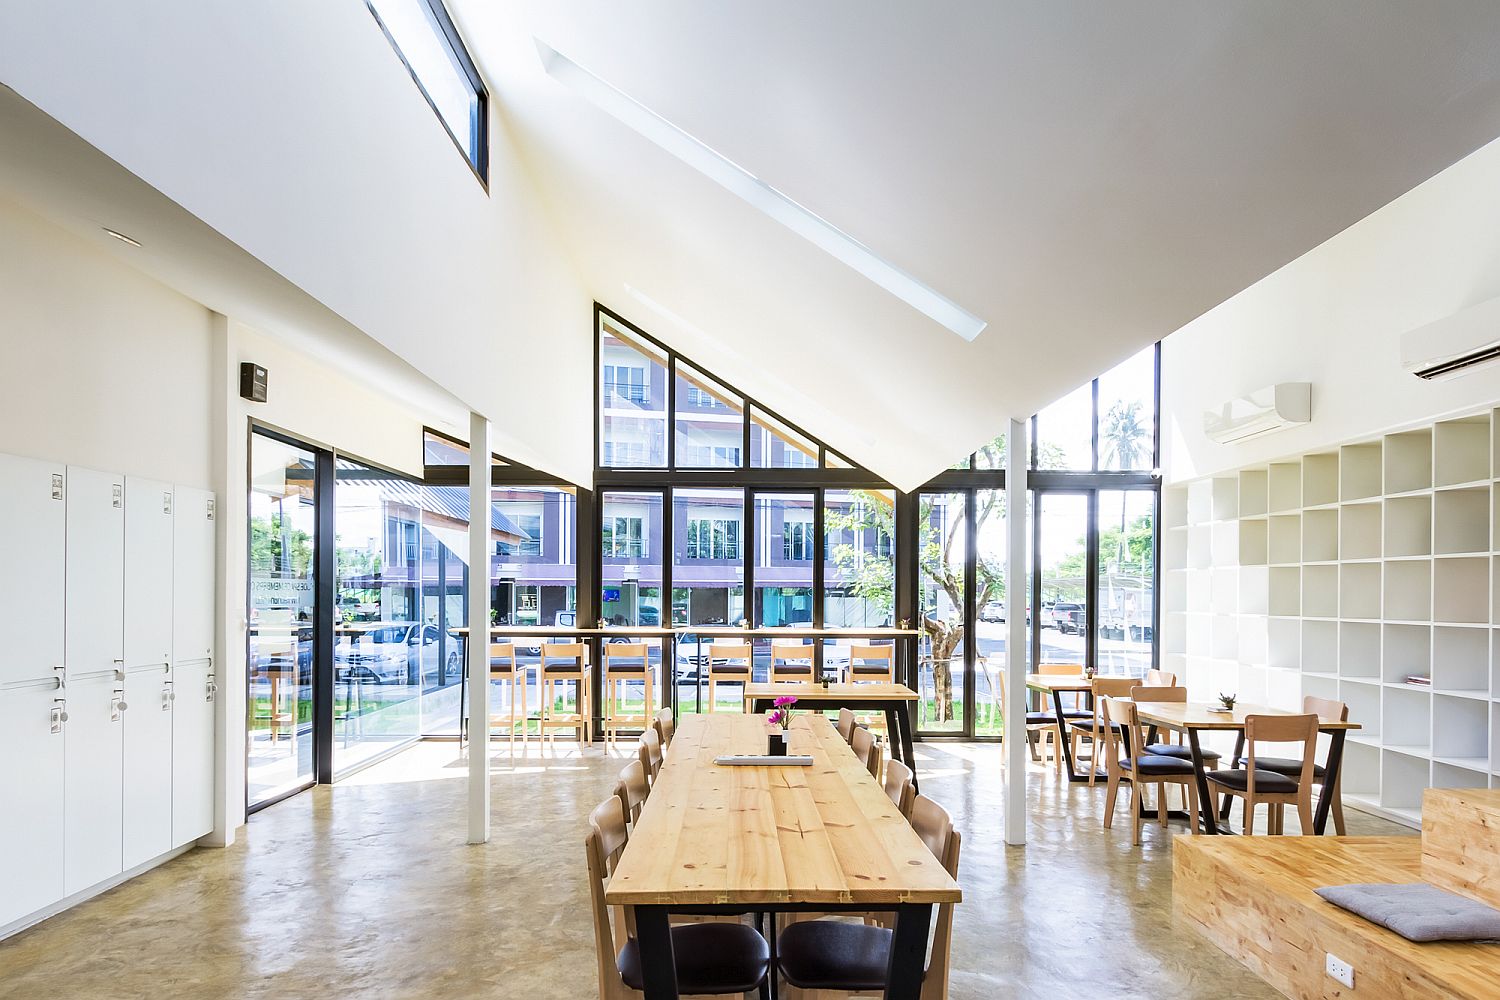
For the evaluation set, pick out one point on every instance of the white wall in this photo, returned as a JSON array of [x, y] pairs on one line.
[[306, 143], [100, 366], [1334, 317]]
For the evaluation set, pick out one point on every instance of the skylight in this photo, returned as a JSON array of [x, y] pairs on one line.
[[758, 193]]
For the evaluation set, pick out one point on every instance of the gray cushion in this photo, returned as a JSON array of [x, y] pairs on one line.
[[1418, 911]]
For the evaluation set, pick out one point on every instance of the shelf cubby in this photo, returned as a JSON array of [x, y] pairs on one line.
[[1284, 643], [1225, 644], [1284, 586], [1360, 472], [1199, 632], [1460, 590], [1284, 539], [1460, 520], [1320, 479], [1495, 736], [1406, 718], [1408, 591], [1461, 660], [1253, 496], [1226, 543], [1200, 502], [1199, 589], [1254, 588], [1406, 651], [1320, 591], [1360, 775], [1408, 461], [1325, 687], [1364, 706], [1254, 639], [1285, 482], [1359, 650], [1226, 498], [1320, 647], [1200, 553], [1284, 689], [1460, 730], [1359, 531], [1253, 550], [1224, 588], [1461, 451], [1461, 773], [1408, 526], [1359, 590], [1402, 779], [1174, 507], [1320, 535]]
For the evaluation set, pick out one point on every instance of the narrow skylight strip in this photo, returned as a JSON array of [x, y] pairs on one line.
[[758, 193]]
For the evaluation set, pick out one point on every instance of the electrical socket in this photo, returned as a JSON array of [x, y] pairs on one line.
[[1339, 969]]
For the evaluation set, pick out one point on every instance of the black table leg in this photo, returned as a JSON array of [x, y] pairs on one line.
[[1067, 744], [1330, 780], [901, 713], [1239, 753], [658, 964], [908, 959], [1205, 801]]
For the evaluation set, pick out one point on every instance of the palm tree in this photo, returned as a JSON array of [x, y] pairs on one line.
[[1123, 443]]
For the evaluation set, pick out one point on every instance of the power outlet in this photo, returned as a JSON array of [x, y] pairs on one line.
[[1339, 969]]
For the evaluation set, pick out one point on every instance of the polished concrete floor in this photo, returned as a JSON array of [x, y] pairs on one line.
[[367, 889]]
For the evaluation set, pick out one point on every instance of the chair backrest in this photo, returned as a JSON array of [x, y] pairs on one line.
[[898, 785], [650, 753], [933, 824], [1159, 678], [1110, 687], [1060, 669], [1143, 694], [864, 659], [564, 651], [602, 846], [624, 651], [847, 724], [866, 749], [1326, 708], [788, 651], [502, 659], [633, 789], [1281, 729], [665, 726], [729, 651], [1119, 711]]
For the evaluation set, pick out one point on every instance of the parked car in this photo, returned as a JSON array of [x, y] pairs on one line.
[[1068, 618], [395, 653]]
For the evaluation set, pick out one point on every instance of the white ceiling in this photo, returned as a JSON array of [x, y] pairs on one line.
[[1086, 177]]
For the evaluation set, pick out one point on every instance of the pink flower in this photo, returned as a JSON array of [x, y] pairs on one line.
[[784, 701]]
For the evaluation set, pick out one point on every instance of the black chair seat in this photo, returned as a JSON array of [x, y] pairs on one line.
[[1041, 719], [1265, 781], [729, 668], [1180, 752], [870, 668], [1289, 766], [830, 955], [1153, 765], [627, 668], [711, 959], [562, 668], [1087, 726], [1077, 713], [801, 670]]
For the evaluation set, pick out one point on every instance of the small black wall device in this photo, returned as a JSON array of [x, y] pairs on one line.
[[253, 382]]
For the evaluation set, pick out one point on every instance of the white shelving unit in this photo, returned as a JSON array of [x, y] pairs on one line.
[[1343, 574]]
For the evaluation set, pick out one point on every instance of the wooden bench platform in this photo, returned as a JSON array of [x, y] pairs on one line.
[[1253, 897]]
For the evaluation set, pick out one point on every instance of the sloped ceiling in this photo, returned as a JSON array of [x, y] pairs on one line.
[[1086, 177]]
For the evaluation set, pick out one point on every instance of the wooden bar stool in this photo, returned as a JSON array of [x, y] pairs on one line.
[[791, 661], [566, 663], [626, 663], [872, 664], [503, 667], [728, 662]]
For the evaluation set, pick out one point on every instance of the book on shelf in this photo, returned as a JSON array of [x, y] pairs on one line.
[[1420, 680]]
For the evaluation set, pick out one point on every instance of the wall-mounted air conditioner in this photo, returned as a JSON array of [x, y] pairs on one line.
[[1454, 345], [1270, 409]]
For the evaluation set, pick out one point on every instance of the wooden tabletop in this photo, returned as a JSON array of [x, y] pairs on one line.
[[1197, 715], [828, 833], [1059, 682], [798, 633], [880, 691], [542, 631]]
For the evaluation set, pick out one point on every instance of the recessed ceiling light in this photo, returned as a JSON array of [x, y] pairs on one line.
[[120, 236], [758, 193]]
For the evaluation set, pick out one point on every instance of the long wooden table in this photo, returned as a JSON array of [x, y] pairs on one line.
[[781, 839], [894, 700], [1193, 718]]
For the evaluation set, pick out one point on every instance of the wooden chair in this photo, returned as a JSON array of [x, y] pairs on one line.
[[898, 785], [1042, 724], [626, 663], [824, 958], [847, 724], [666, 727], [503, 668], [867, 749], [1093, 728], [1255, 785], [650, 754], [1122, 726], [1292, 767], [566, 663], [1150, 695], [1078, 711], [787, 662], [728, 662], [872, 664], [1159, 678], [713, 958], [633, 789]]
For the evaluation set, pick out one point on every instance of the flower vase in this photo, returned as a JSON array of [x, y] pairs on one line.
[[776, 743]]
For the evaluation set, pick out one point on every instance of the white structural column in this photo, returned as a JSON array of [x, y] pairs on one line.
[[1017, 644], [478, 665]]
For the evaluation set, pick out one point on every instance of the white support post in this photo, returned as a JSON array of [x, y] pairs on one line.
[[1017, 644], [478, 665]]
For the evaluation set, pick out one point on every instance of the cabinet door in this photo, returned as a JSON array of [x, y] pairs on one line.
[[31, 787], [33, 505], [148, 656], [194, 678], [94, 628]]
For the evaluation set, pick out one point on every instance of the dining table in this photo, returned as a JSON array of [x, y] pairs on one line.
[[825, 838], [1194, 718], [894, 701], [1058, 685]]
